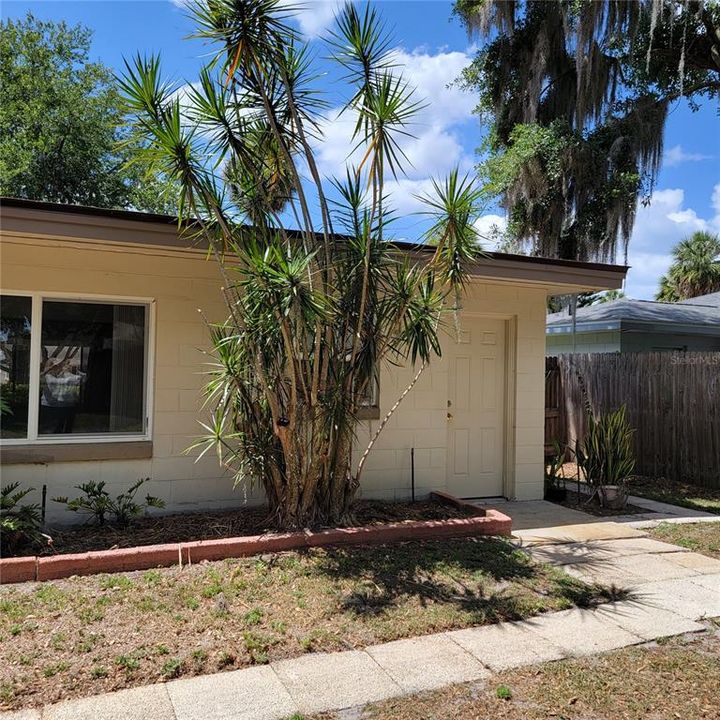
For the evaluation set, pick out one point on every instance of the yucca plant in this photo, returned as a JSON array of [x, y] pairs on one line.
[[311, 314], [606, 455]]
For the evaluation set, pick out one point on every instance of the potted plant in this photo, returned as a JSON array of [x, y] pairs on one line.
[[555, 489], [605, 455]]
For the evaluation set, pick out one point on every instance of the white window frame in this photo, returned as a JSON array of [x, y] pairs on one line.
[[33, 436]]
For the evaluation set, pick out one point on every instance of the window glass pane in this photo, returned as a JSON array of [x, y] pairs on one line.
[[92, 371], [15, 313]]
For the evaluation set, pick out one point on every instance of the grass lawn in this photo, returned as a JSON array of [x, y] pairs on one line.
[[88, 635], [700, 537], [676, 679], [676, 493]]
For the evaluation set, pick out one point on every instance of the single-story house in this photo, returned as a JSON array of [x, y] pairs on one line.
[[626, 325], [102, 367]]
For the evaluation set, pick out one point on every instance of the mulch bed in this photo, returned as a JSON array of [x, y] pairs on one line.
[[580, 502], [187, 527], [684, 494]]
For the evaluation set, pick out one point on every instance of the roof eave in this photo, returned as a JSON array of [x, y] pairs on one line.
[[73, 222]]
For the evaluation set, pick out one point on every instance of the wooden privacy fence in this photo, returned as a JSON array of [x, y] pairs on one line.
[[672, 401]]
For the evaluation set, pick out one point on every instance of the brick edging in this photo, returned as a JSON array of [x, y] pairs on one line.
[[23, 569]]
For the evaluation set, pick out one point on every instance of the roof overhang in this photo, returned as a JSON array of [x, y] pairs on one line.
[[51, 221]]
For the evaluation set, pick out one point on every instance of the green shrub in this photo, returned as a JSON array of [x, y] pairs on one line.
[[19, 524], [97, 502]]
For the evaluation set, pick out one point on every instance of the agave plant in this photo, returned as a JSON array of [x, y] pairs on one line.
[[318, 295], [606, 455]]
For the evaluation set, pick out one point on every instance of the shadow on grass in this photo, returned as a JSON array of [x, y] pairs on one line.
[[490, 579]]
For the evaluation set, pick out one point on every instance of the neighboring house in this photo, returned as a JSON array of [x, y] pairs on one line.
[[637, 325], [101, 339]]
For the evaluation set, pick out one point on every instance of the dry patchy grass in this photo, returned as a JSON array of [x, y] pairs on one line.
[[676, 679], [699, 537], [88, 635]]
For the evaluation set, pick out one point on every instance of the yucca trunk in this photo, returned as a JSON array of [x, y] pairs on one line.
[[312, 485]]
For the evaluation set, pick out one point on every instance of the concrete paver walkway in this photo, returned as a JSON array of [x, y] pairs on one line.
[[672, 592], [541, 514]]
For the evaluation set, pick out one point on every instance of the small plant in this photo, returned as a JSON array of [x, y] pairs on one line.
[[503, 692], [19, 524], [192, 603], [554, 479], [606, 457], [152, 577], [127, 662], [226, 659], [55, 668], [98, 672], [97, 502], [253, 617], [210, 591], [87, 643], [116, 582], [172, 667], [199, 656]]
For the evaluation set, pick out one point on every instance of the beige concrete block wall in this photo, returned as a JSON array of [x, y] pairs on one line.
[[421, 419], [180, 282]]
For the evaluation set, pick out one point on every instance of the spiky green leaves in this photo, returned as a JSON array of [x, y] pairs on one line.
[[606, 454], [454, 206], [311, 315], [161, 130]]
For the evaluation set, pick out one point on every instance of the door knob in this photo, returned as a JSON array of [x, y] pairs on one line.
[[449, 416]]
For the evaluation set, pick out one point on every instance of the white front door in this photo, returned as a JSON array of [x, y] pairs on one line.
[[476, 403]]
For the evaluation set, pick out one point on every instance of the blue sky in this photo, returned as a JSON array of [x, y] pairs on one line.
[[433, 47]]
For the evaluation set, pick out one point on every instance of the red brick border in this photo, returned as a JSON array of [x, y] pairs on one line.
[[20, 569], [23, 569]]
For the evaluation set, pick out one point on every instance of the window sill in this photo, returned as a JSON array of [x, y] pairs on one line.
[[368, 413], [46, 453]]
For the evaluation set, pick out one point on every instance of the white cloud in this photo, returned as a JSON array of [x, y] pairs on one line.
[[434, 147], [313, 16], [658, 227], [404, 192], [676, 156], [431, 74], [490, 228]]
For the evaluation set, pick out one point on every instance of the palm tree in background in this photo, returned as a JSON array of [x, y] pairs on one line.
[[695, 269]]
